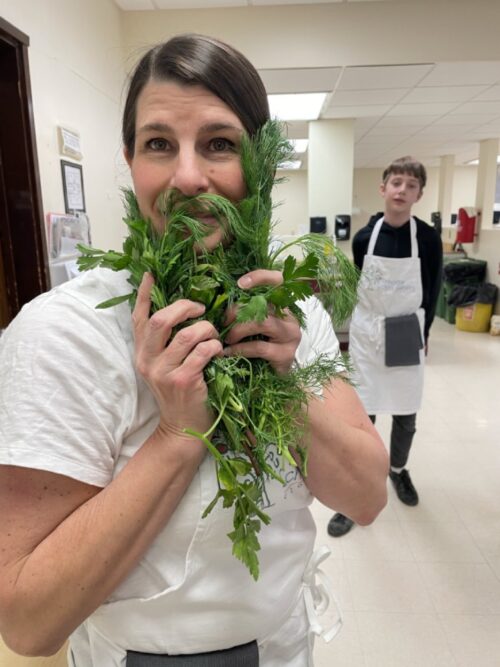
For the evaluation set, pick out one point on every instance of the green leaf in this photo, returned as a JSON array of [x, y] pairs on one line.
[[115, 301], [240, 466], [254, 310], [226, 478]]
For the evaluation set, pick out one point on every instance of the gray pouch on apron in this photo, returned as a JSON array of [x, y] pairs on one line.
[[246, 655], [403, 340]]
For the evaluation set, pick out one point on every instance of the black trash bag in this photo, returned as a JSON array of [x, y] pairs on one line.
[[465, 295], [462, 295], [486, 293], [465, 270]]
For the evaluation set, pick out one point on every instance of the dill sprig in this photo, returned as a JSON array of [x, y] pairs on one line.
[[255, 407]]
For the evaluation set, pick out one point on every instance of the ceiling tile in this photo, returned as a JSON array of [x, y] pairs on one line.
[[361, 97], [435, 109], [463, 74], [465, 119], [356, 112], [478, 108], [130, 5], [430, 94], [309, 80], [383, 76], [492, 93], [443, 131], [199, 4], [385, 128], [290, 2], [406, 121], [297, 129]]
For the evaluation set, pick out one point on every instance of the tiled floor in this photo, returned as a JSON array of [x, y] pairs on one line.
[[421, 586]]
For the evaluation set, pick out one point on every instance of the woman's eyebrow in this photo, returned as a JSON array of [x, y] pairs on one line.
[[217, 127], [154, 127]]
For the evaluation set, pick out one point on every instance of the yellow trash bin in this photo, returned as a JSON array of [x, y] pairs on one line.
[[475, 317]]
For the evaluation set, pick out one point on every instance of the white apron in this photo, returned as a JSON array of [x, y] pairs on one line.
[[388, 287], [205, 613], [189, 594]]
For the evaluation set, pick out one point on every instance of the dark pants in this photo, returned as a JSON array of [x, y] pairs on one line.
[[403, 430]]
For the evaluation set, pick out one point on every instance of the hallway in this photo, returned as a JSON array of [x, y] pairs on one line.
[[421, 586]]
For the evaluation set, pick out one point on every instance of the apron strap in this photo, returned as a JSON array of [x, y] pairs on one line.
[[318, 595], [376, 230]]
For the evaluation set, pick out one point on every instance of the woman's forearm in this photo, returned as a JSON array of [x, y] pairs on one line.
[[71, 565]]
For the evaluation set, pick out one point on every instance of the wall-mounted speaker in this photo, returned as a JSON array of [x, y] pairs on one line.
[[317, 225]]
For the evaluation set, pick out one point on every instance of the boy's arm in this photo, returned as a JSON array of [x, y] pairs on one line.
[[435, 265], [359, 247]]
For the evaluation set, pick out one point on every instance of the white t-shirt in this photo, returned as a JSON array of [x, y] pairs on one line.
[[72, 403]]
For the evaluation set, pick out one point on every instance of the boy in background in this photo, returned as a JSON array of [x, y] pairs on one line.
[[400, 258]]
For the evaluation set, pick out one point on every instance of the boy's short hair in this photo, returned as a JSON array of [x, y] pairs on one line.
[[407, 165]]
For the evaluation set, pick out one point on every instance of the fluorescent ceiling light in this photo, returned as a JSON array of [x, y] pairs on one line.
[[299, 145], [477, 161], [290, 164], [299, 106]]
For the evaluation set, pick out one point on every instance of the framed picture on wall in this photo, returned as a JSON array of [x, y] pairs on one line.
[[72, 179]]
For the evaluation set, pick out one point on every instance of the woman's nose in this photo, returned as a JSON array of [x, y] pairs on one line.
[[189, 176]]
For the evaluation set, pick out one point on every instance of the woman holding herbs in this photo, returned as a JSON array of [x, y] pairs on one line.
[[117, 490]]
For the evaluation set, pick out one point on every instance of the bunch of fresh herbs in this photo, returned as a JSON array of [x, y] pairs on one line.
[[255, 407]]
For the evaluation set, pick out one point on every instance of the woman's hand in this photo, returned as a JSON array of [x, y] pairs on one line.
[[172, 366], [282, 335]]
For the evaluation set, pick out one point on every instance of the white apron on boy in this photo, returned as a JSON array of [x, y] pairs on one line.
[[388, 287]]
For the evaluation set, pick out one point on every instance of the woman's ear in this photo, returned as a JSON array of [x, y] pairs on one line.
[[127, 156]]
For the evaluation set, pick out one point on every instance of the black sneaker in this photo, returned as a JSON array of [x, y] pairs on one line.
[[339, 525], [407, 493]]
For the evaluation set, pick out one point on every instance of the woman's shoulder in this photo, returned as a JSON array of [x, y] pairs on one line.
[[71, 307]]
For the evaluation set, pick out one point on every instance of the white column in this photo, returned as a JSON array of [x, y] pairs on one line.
[[330, 169], [486, 182], [446, 172]]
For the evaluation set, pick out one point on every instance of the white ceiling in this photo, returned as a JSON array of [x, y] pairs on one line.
[[218, 4], [428, 109]]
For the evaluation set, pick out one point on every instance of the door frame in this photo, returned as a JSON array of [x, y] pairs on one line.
[[22, 230]]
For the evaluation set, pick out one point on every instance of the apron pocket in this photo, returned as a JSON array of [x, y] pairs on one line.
[[403, 340], [246, 655]]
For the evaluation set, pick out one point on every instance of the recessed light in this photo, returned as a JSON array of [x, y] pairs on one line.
[[296, 106], [290, 164], [299, 145], [477, 161]]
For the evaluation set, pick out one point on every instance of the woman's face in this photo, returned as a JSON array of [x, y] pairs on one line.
[[188, 139]]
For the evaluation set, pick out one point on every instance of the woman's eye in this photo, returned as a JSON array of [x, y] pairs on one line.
[[220, 145], [157, 144]]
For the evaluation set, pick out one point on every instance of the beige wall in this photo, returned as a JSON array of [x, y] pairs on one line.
[[77, 74], [366, 197], [354, 33], [290, 200]]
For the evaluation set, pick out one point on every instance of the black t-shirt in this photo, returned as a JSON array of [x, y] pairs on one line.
[[396, 242]]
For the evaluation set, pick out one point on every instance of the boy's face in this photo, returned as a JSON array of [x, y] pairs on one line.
[[400, 192]]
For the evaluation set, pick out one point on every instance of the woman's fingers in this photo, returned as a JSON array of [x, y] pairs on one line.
[[281, 339], [153, 334], [278, 329], [140, 314], [193, 346], [260, 277]]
